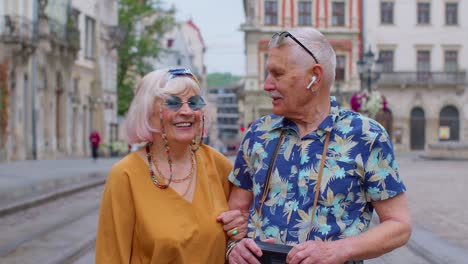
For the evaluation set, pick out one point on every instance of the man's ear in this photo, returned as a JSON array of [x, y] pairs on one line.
[[317, 71]]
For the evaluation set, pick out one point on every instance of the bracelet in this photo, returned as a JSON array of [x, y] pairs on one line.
[[230, 247]]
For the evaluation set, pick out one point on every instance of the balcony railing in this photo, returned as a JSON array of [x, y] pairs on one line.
[[17, 30], [68, 34], [423, 78]]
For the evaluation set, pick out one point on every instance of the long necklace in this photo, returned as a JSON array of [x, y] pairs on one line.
[[188, 187], [189, 175], [153, 178]]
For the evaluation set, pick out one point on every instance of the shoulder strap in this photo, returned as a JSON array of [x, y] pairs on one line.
[[267, 180], [270, 168], [319, 182]]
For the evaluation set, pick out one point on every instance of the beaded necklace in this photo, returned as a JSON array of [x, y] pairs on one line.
[[153, 178]]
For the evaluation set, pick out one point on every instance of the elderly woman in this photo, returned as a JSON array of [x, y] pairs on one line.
[[167, 202]]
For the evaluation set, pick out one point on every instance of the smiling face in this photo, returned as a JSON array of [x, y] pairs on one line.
[[182, 125]]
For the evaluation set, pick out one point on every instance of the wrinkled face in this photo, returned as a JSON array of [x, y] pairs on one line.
[[181, 115], [286, 84]]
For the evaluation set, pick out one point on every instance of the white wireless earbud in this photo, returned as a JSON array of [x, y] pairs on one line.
[[312, 80]]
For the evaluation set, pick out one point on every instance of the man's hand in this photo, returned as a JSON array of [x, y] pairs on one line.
[[245, 252], [316, 252]]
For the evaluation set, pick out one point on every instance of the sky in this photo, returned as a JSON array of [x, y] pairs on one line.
[[219, 23]]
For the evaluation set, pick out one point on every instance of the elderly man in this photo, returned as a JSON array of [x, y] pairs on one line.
[[311, 174]]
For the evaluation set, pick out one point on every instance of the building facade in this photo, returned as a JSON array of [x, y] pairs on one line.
[[224, 125], [184, 47], [423, 46], [338, 20], [49, 106]]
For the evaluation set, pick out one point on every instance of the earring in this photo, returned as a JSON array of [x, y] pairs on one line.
[[164, 137], [197, 141]]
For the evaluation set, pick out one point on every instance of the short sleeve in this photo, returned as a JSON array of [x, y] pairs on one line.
[[241, 175], [382, 180]]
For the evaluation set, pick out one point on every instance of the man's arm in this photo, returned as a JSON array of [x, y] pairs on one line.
[[240, 199], [393, 231]]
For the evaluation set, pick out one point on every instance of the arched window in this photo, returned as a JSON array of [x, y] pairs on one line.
[[418, 129], [449, 124]]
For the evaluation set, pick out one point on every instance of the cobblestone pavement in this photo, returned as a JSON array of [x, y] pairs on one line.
[[440, 222], [436, 192]]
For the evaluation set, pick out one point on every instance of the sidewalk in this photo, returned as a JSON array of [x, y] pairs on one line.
[[27, 180]]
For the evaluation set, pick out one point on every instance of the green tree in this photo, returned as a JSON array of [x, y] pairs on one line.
[[143, 22], [221, 79]]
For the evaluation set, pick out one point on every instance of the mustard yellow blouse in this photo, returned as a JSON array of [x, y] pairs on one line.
[[140, 223]]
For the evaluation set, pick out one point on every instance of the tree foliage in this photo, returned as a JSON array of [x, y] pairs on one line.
[[221, 79], [143, 22]]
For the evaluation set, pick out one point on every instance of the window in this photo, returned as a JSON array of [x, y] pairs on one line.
[[451, 13], [340, 74], [386, 12], [449, 121], [338, 14], [89, 38], [424, 13], [387, 57], [271, 13], [304, 13], [424, 65], [451, 60], [75, 14]]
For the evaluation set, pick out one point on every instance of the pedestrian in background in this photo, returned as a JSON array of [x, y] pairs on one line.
[[311, 174], [167, 201], [95, 140]]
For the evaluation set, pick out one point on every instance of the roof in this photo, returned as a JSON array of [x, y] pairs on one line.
[[192, 24]]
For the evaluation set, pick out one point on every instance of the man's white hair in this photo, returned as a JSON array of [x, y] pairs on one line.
[[320, 47]]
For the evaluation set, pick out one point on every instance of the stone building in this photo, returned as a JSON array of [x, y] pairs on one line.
[[60, 80], [338, 20], [423, 45]]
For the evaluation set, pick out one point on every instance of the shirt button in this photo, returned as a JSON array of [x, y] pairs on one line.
[[282, 232]]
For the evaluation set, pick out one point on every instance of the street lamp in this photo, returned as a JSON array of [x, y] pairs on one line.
[[368, 71]]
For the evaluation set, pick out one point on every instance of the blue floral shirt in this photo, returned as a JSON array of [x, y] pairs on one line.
[[360, 168]]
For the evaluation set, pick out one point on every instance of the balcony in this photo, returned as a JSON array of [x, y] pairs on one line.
[[65, 34], [451, 79], [17, 30]]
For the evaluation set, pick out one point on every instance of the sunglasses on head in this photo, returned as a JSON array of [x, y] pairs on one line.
[[278, 38], [195, 103], [181, 72]]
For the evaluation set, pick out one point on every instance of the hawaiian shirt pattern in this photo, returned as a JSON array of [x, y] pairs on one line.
[[360, 167]]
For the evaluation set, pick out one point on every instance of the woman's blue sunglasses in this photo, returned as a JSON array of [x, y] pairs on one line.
[[195, 103]]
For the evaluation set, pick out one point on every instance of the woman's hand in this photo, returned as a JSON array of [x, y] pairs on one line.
[[245, 251], [235, 224]]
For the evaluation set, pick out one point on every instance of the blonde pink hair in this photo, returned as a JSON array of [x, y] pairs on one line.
[[152, 86]]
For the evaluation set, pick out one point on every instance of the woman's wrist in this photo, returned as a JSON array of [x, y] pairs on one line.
[[230, 247]]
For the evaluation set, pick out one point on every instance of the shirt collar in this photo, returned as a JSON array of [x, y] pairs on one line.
[[326, 125]]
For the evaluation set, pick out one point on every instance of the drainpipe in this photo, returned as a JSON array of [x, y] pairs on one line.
[[34, 81], [363, 28]]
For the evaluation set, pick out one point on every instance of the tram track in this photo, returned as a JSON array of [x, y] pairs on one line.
[[52, 229]]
